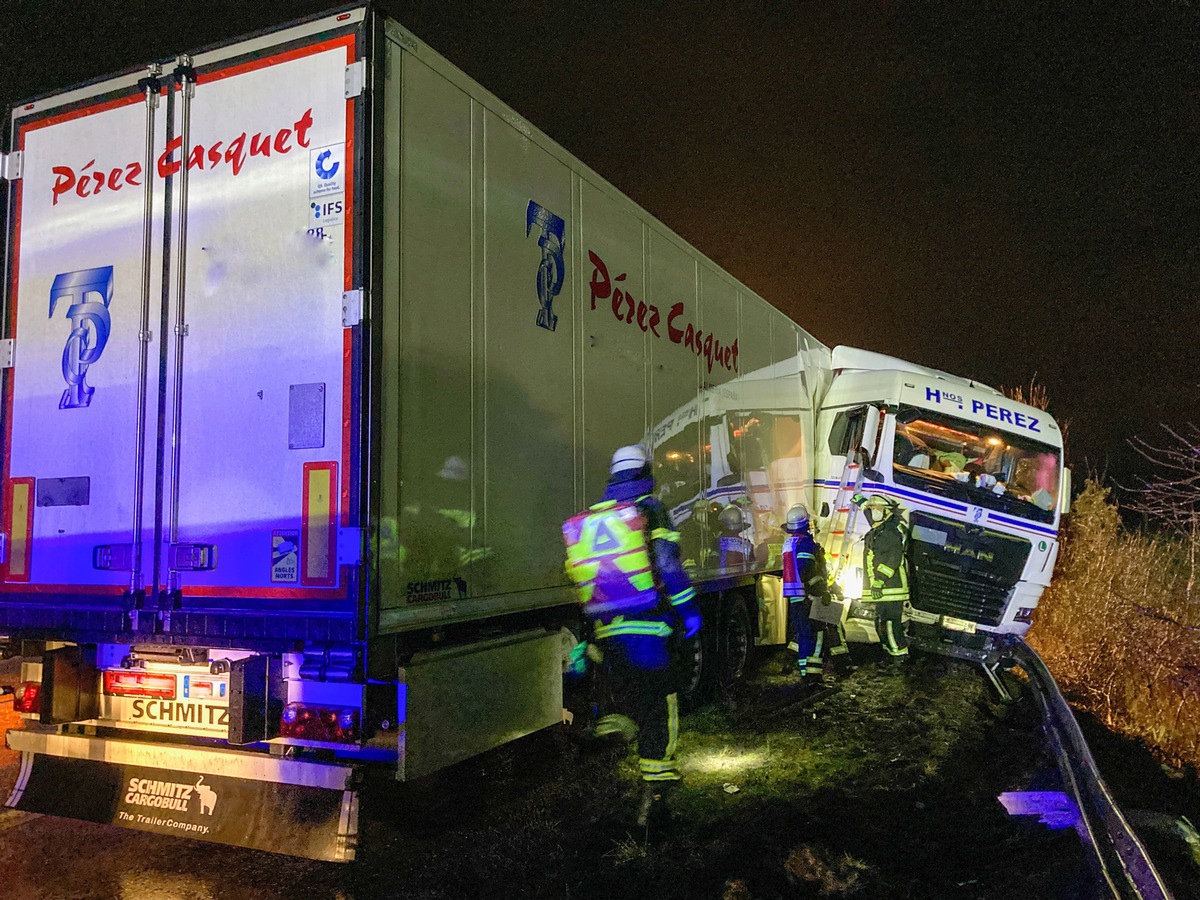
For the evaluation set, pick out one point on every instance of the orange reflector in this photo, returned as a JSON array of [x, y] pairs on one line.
[[18, 522], [318, 525]]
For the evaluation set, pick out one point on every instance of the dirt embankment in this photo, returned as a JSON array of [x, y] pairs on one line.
[[885, 787]]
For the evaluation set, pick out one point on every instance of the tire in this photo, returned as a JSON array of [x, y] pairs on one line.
[[734, 641], [694, 680], [718, 659]]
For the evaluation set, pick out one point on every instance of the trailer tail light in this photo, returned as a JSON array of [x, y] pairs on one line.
[[139, 684], [318, 723], [28, 698], [197, 690]]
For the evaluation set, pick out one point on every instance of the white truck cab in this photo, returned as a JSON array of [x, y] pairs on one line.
[[981, 482]]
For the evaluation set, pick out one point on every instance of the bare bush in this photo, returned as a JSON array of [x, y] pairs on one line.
[[1106, 628], [1171, 496]]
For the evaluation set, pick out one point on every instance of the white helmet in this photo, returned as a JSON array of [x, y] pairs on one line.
[[731, 518], [797, 519], [628, 459]]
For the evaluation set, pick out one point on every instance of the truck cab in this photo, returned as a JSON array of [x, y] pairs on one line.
[[981, 483]]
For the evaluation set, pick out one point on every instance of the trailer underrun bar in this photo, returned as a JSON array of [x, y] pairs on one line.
[[245, 799]]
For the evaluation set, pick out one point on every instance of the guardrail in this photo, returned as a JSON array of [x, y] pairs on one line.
[[1119, 859]]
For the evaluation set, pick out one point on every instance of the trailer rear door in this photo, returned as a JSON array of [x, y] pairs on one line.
[[225, 246]]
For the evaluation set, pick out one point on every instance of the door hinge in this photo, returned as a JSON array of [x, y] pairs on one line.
[[349, 546], [8, 349], [12, 165], [356, 78], [352, 308]]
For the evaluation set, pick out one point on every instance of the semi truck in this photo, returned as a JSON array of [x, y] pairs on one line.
[[311, 345]]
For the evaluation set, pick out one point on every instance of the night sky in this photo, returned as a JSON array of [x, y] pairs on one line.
[[1001, 190]]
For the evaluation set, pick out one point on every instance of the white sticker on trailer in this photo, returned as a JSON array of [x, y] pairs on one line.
[[327, 212], [327, 170], [285, 556]]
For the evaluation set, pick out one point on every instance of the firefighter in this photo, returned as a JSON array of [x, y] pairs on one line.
[[805, 581], [734, 551], [694, 541], [885, 576], [623, 556]]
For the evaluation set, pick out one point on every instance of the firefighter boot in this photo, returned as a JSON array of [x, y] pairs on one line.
[[653, 813]]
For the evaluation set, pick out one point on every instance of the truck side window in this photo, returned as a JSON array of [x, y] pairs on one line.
[[847, 431]]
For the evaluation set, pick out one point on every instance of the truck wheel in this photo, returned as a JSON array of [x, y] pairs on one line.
[[695, 671], [735, 640]]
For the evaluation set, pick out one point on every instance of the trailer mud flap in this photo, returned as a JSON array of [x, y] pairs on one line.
[[247, 800]]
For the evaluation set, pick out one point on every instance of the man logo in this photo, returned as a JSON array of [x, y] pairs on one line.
[[208, 797]]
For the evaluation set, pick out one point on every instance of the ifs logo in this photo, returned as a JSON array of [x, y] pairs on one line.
[[551, 270], [91, 292]]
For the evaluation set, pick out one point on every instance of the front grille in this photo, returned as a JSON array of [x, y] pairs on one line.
[[952, 595], [961, 570]]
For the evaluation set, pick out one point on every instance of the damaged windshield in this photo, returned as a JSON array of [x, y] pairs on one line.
[[975, 464]]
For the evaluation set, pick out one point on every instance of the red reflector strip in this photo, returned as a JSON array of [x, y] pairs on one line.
[[318, 525], [18, 525], [139, 684]]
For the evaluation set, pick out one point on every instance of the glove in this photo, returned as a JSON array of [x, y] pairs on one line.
[[577, 661], [691, 626], [876, 592]]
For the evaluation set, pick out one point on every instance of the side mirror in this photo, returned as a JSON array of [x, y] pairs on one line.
[[1064, 496]]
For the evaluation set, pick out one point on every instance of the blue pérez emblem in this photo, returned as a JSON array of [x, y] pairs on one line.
[[91, 292], [551, 270]]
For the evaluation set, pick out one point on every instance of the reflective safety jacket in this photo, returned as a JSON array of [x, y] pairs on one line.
[[803, 568], [735, 551], [631, 582], [608, 558], [886, 567]]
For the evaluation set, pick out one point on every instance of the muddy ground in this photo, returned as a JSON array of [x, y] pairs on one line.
[[885, 786]]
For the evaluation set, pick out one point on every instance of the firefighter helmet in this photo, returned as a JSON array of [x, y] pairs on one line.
[[628, 459], [731, 518], [797, 519], [877, 508]]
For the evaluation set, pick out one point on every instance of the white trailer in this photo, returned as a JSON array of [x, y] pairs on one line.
[[312, 345], [335, 342]]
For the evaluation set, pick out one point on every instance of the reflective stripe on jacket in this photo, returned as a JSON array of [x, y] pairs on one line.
[[886, 567]]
